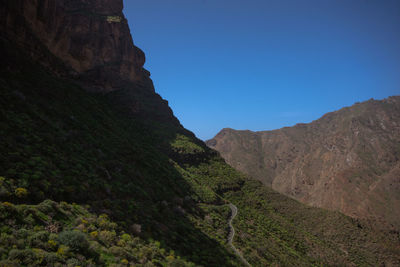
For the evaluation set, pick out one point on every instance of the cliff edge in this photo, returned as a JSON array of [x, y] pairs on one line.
[[90, 38]]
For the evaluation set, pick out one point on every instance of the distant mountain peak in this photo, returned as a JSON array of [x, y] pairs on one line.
[[348, 160]]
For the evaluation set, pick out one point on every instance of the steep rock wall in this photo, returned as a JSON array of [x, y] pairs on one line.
[[91, 37]]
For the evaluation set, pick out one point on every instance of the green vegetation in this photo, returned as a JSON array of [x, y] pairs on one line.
[[182, 144], [274, 229], [148, 192], [60, 143], [74, 237]]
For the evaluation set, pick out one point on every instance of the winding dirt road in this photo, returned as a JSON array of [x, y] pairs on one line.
[[234, 211]]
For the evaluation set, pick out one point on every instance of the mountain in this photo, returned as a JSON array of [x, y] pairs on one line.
[[95, 170], [348, 160]]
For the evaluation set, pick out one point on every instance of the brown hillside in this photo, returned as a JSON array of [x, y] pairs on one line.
[[348, 160]]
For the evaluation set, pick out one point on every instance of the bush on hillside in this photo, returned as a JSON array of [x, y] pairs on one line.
[[75, 240]]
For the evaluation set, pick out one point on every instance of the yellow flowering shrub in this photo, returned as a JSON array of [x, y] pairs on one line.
[[21, 192]]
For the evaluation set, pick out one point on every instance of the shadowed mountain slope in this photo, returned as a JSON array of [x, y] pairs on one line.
[[348, 160]]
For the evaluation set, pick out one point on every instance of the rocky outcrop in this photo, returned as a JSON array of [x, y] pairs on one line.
[[89, 43], [348, 160], [90, 38]]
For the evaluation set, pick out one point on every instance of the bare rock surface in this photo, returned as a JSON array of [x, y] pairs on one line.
[[348, 160], [90, 37], [89, 43]]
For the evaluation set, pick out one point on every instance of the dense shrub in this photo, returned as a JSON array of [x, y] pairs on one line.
[[46, 206], [9, 263], [38, 239], [73, 262], [75, 240], [107, 237], [52, 258], [21, 192], [25, 256], [22, 233], [177, 263]]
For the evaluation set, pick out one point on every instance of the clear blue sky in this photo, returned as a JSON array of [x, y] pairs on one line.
[[266, 64]]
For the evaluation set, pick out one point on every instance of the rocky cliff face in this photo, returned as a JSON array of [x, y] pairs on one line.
[[348, 160], [89, 43], [91, 38]]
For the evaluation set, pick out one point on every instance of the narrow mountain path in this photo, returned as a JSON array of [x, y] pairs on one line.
[[234, 211]]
